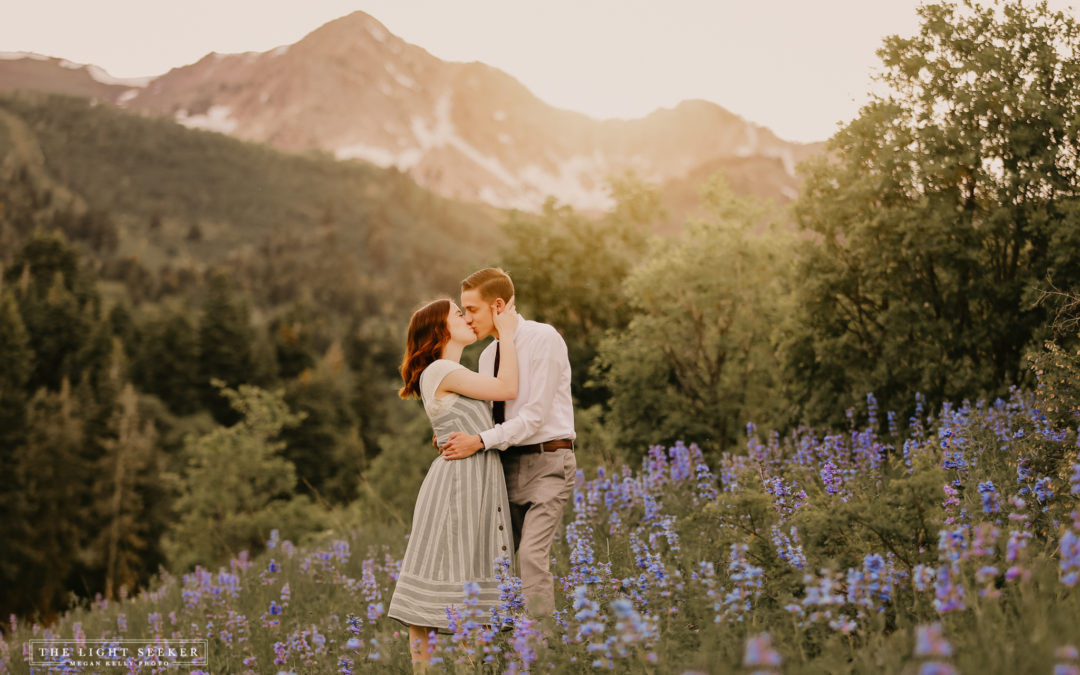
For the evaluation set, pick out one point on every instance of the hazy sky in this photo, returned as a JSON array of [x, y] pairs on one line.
[[796, 66]]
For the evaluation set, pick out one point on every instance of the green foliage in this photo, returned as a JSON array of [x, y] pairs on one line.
[[568, 271], [16, 367], [240, 197], [696, 361], [1057, 371], [325, 447], [392, 481], [236, 487], [57, 301], [225, 345], [46, 491], [130, 467], [940, 209], [166, 363], [895, 514]]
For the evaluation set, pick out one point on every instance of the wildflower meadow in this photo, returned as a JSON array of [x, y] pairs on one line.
[[948, 542]]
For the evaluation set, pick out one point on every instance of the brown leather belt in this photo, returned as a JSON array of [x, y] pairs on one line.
[[548, 446]]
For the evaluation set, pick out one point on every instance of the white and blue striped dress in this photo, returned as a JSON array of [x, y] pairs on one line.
[[461, 523]]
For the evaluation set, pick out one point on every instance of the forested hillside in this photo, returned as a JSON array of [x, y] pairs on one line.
[[140, 261]]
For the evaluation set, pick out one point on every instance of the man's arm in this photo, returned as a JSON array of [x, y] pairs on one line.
[[545, 365]]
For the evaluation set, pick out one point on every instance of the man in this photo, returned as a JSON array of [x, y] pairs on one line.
[[535, 432]]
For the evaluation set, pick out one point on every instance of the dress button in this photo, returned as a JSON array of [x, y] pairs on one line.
[[500, 527], [499, 509], [504, 548]]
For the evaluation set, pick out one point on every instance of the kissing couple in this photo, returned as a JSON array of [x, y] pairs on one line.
[[506, 464]]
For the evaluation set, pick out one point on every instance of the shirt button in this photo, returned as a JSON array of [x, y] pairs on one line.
[[500, 527], [504, 548], [499, 509]]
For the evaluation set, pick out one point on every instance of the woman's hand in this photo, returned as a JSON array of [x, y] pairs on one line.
[[506, 321]]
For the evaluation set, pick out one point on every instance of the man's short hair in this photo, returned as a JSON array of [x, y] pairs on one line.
[[491, 283]]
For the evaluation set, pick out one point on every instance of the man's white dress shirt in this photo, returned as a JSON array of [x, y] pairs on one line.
[[543, 410]]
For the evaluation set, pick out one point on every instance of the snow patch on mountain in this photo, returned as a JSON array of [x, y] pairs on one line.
[[377, 32], [217, 118], [750, 145], [571, 182], [401, 78], [786, 157], [442, 133], [403, 160], [100, 75]]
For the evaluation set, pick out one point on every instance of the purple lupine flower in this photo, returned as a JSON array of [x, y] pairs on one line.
[[374, 611], [760, 652], [524, 637], [785, 499], [989, 497], [587, 612], [1018, 503], [953, 545], [1023, 475], [936, 668], [909, 446], [746, 583], [922, 576], [948, 595], [281, 653], [1017, 543], [984, 540], [830, 476], [789, 546], [1070, 558], [930, 641], [1043, 491], [632, 628], [1066, 657]]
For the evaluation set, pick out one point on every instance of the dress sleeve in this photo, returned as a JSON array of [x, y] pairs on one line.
[[433, 376]]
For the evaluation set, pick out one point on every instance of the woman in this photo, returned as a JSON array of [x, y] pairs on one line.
[[461, 524]]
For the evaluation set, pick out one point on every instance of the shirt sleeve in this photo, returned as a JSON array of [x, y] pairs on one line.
[[545, 366], [485, 365]]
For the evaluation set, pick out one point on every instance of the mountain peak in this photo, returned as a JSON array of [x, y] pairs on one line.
[[355, 26], [465, 130]]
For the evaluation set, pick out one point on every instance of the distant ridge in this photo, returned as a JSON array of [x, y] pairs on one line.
[[465, 130]]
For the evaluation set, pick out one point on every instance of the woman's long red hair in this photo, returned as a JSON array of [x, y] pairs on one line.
[[428, 334]]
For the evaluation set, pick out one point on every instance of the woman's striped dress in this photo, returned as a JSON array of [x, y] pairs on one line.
[[461, 524]]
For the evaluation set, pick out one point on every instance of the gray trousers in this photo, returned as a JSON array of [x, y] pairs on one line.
[[538, 486]]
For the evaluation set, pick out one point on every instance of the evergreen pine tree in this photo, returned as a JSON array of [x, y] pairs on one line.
[[225, 345], [167, 363], [47, 479], [123, 534]]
